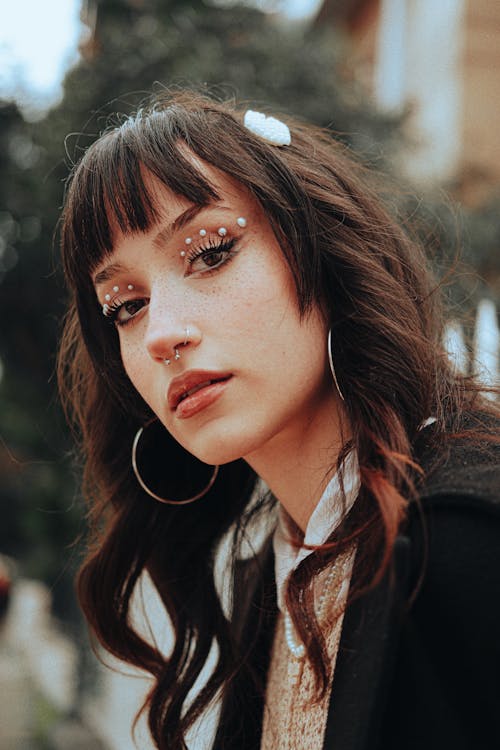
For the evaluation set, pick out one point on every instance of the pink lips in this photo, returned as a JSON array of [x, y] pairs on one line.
[[195, 390]]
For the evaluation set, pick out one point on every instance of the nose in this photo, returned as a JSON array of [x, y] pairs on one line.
[[169, 331]]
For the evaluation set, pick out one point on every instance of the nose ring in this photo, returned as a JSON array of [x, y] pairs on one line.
[[177, 354]]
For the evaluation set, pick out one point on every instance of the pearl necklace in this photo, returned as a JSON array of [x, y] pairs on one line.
[[298, 650]]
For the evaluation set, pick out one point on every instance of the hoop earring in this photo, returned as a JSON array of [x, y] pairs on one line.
[[332, 367], [142, 483]]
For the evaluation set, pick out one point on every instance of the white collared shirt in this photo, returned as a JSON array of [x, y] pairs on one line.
[[325, 518]]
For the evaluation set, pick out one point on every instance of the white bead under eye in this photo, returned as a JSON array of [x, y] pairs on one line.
[[241, 221], [183, 253], [107, 297], [222, 231], [130, 287], [188, 240], [203, 232], [116, 288]]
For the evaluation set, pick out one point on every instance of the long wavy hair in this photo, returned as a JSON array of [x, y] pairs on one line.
[[348, 255]]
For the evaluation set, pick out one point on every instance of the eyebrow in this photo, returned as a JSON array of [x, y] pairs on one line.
[[163, 236]]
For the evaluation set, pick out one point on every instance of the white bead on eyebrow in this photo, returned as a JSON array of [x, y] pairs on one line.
[[130, 287], [188, 240], [203, 232], [241, 221], [116, 288]]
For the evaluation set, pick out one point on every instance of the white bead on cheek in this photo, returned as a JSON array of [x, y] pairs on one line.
[[107, 297], [241, 221]]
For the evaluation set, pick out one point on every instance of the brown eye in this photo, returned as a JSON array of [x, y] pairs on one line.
[[213, 258], [128, 310]]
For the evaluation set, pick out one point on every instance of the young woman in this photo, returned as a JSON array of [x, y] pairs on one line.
[[245, 312]]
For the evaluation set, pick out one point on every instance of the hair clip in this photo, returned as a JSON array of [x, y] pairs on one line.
[[269, 128]]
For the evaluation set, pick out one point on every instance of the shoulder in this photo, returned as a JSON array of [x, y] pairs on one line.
[[454, 531], [462, 468]]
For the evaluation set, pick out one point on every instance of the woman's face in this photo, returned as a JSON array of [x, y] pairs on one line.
[[211, 284]]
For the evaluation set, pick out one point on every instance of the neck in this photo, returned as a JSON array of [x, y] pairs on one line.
[[297, 464]]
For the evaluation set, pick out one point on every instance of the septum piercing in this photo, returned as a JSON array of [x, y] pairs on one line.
[[177, 354]]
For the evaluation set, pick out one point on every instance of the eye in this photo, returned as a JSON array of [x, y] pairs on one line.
[[212, 256], [121, 312]]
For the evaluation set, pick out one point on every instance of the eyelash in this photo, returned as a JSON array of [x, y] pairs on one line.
[[212, 247]]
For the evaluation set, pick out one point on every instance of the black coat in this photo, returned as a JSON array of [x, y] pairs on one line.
[[411, 674]]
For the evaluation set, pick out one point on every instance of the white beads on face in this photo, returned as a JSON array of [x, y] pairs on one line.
[[221, 231]]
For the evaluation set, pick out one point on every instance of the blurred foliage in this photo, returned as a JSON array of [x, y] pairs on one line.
[[137, 46]]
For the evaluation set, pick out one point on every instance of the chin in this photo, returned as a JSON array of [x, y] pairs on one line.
[[218, 449], [216, 455]]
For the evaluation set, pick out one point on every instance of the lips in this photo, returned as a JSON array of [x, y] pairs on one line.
[[185, 387]]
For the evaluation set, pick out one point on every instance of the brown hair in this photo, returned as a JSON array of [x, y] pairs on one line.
[[346, 254]]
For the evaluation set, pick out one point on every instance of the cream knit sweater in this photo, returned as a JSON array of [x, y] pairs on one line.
[[292, 720]]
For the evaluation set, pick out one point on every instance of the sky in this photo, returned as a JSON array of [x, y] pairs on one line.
[[39, 40]]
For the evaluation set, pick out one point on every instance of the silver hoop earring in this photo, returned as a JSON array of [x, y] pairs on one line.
[[191, 499], [332, 368]]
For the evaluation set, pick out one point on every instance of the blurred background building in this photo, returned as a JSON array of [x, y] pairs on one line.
[[440, 62]]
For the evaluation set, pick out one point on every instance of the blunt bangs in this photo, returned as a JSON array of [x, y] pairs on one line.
[[107, 191]]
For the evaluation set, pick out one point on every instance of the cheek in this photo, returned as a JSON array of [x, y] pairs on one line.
[[132, 355]]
